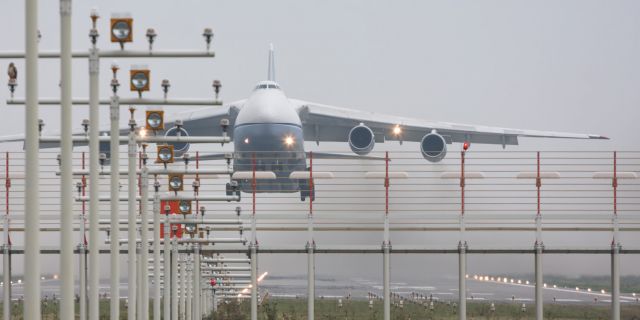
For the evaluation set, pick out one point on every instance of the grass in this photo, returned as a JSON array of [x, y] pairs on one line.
[[296, 309], [325, 309]]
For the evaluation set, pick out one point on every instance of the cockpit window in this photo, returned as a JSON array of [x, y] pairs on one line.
[[265, 86]]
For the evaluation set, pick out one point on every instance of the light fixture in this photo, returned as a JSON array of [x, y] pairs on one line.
[[165, 87], [397, 130], [176, 182], [121, 29], [246, 140], [12, 71], [289, 140], [208, 35], [216, 87], [93, 33], [184, 207], [191, 228], [139, 76], [165, 153], [151, 36], [154, 120]]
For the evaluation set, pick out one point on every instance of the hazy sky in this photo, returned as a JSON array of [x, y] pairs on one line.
[[548, 65]]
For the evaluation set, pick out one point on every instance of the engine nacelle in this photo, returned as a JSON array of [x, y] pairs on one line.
[[433, 147], [361, 139], [179, 148]]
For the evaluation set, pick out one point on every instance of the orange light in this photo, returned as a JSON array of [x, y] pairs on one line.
[[466, 145], [397, 130]]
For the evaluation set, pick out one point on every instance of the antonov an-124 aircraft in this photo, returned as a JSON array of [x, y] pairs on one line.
[[270, 129]]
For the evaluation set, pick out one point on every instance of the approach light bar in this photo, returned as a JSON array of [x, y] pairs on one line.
[[154, 120], [121, 29], [165, 153], [176, 182]]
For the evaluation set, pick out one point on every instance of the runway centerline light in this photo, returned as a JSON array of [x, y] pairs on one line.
[[165, 153], [121, 29], [176, 182], [154, 120]]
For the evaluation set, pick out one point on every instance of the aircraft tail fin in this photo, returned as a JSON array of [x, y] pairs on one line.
[[271, 76]]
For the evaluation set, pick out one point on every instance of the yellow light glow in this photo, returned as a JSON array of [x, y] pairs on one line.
[[603, 291], [143, 132], [397, 130], [288, 140], [519, 281]]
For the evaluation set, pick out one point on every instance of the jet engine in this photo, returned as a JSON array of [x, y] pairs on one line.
[[433, 147], [361, 139], [179, 148]]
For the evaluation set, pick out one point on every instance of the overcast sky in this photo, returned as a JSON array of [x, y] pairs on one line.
[[548, 65]]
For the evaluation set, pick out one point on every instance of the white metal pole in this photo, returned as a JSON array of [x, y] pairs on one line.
[[538, 269], [156, 254], [138, 279], [94, 184], [183, 287], [311, 293], [32, 156], [131, 208], [115, 207], [6, 268], [197, 313], [386, 246], [189, 305], [615, 281], [82, 254], [144, 234], [167, 268], [174, 280], [254, 270], [539, 282], [462, 281], [67, 309]]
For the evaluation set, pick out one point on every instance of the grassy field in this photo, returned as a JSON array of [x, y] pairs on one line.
[[296, 309]]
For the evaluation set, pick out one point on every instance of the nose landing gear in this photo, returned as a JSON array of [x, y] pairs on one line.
[[306, 191]]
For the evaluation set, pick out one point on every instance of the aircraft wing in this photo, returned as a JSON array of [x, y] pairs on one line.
[[329, 123]]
